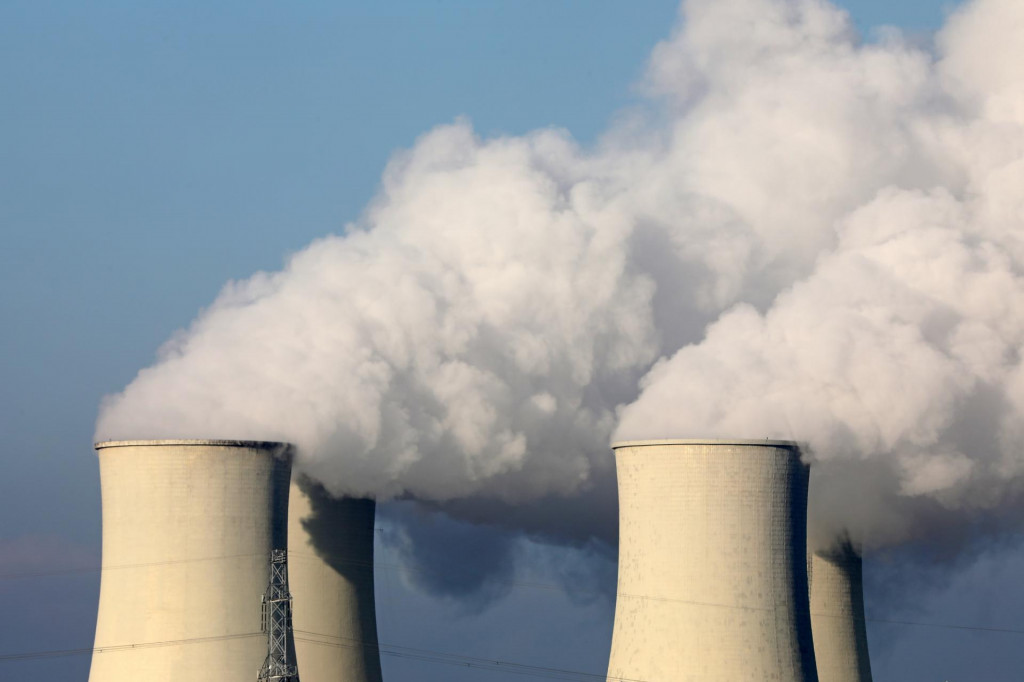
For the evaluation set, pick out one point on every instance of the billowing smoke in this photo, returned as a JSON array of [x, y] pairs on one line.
[[897, 357], [797, 235], [472, 335]]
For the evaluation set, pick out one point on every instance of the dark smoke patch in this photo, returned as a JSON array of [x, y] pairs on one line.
[[468, 564], [591, 516], [340, 530], [476, 551]]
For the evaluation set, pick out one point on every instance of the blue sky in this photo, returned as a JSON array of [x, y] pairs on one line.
[[152, 151]]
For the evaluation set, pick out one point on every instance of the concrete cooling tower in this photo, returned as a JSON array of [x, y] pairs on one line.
[[837, 616], [712, 563], [188, 531], [330, 557]]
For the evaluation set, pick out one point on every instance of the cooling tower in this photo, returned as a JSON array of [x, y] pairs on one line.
[[188, 529], [837, 616], [330, 556], [712, 563]]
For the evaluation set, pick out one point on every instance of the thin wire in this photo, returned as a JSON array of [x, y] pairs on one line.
[[1008, 631], [411, 653], [424, 655], [121, 647], [117, 567], [512, 583], [434, 656]]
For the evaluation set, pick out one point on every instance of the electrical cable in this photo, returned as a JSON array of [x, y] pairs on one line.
[[21, 656], [460, 660], [411, 653], [512, 583]]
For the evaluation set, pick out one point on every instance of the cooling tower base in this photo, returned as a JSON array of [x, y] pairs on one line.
[[330, 547], [712, 563], [188, 529]]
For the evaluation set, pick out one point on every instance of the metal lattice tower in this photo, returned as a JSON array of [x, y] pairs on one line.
[[277, 622]]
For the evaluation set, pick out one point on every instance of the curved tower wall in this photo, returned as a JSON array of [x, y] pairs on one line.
[[837, 616], [188, 527], [712, 582], [330, 563]]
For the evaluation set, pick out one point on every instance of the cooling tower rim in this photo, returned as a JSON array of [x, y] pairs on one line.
[[749, 442], [251, 444]]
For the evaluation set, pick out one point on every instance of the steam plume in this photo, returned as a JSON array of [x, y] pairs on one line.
[[798, 236]]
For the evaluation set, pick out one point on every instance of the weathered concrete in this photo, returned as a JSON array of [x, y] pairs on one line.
[[837, 616], [712, 563], [188, 527], [330, 559]]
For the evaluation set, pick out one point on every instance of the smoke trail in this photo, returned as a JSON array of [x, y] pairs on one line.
[[801, 235]]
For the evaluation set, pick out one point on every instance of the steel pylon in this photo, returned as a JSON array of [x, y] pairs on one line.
[[277, 623]]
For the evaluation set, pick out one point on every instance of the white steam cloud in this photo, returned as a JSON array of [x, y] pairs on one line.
[[801, 236]]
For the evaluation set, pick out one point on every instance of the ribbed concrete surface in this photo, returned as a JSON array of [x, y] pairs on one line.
[[187, 531], [837, 616], [330, 563], [712, 563]]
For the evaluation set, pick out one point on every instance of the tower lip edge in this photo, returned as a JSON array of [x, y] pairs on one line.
[[254, 444], [616, 445]]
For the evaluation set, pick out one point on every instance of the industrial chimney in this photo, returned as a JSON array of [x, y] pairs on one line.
[[330, 553], [712, 562], [837, 615], [189, 527]]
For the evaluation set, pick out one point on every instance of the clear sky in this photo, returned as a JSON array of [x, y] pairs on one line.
[[152, 151]]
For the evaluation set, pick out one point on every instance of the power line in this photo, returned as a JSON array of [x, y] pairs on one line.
[[392, 650], [21, 656], [98, 568], [947, 626], [417, 654], [460, 660], [412, 653], [511, 583], [118, 567]]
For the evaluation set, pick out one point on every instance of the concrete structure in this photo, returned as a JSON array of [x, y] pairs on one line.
[[837, 616], [188, 529], [712, 563], [330, 560]]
